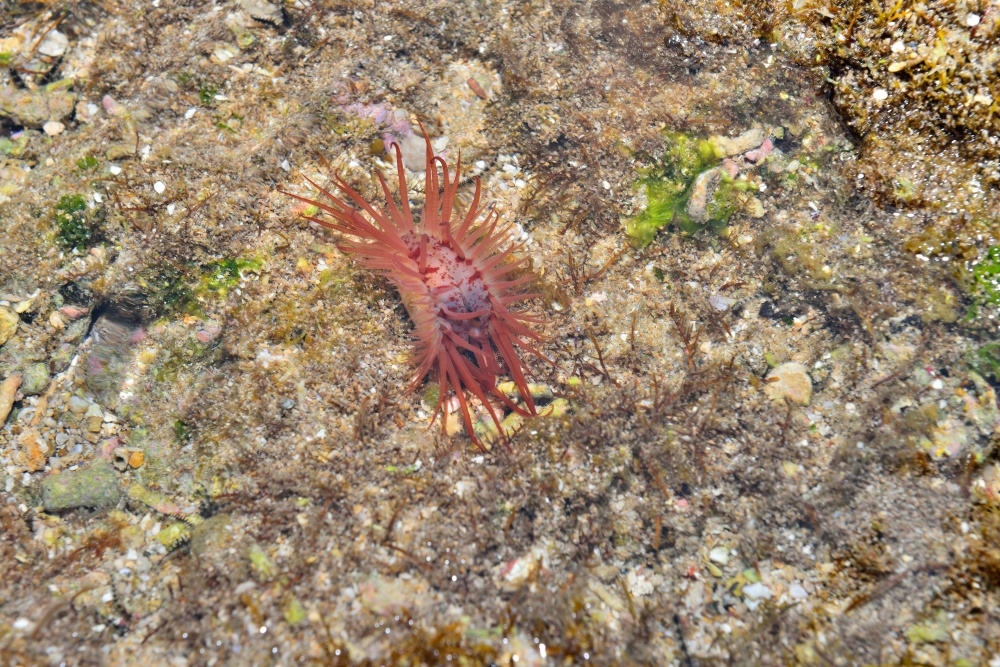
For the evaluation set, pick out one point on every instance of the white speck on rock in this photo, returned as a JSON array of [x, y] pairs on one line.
[[159, 186]]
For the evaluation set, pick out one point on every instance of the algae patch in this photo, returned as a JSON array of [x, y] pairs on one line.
[[985, 287], [225, 274], [76, 232], [679, 178]]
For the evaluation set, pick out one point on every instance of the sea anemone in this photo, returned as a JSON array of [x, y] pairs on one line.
[[455, 281]]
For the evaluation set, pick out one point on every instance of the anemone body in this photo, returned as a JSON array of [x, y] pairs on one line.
[[453, 273]]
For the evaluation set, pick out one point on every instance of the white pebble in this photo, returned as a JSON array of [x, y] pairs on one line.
[[190, 112], [54, 44], [159, 186], [53, 127], [21, 623], [170, 209], [937, 383], [972, 20], [719, 555], [720, 303], [115, 170], [98, 197], [757, 591], [880, 94], [285, 165]]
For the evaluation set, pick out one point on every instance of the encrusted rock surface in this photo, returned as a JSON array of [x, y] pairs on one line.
[[768, 435]]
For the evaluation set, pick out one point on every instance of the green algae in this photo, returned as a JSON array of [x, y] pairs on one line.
[[86, 163], [669, 185], [986, 361], [260, 562], [14, 148], [224, 275], [174, 288], [75, 231], [182, 433], [985, 286], [166, 288]]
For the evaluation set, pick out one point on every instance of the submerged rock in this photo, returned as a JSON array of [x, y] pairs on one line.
[[8, 324], [34, 108], [36, 378], [95, 486]]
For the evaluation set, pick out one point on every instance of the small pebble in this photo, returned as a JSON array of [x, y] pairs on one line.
[[789, 381], [727, 146], [757, 591], [880, 94], [719, 555], [972, 20], [74, 312], [476, 88], [54, 44], [159, 186], [53, 127], [115, 170], [720, 303]]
